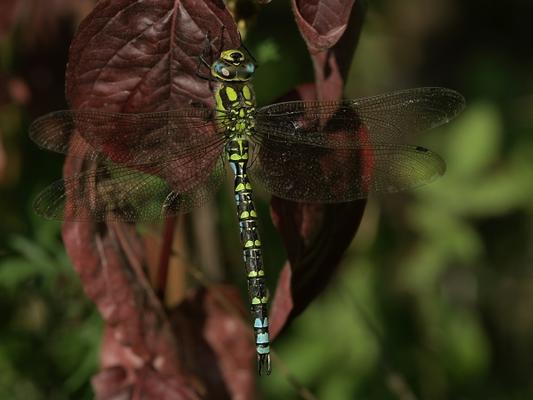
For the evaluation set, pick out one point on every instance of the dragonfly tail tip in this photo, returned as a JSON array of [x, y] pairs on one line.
[[263, 364]]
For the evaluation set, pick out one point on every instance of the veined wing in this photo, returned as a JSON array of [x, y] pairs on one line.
[[135, 193], [125, 138], [303, 172], [387, 118]]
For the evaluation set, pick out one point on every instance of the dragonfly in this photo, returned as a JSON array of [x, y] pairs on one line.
[[144, 167]]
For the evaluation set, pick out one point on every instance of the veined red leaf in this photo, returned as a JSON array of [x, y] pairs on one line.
[[316, 236], [142, 56], [138, 56], [322, 22]]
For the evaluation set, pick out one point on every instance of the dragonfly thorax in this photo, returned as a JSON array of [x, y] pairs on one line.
[[236, 108]]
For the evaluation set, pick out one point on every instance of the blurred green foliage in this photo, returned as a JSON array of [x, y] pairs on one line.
[[49, 334], [435, 298]]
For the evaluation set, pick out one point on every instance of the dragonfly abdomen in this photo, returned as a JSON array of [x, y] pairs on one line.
[[237, 154]]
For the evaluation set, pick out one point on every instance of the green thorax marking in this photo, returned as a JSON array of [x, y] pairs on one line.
[[235, 104]]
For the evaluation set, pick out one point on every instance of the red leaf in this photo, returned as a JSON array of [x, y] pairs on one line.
[[216, 342], [331, 30], [123, 377], [215, 347], [108, 261], [138, 56], [315, 235], [141, 56], [322, 22]]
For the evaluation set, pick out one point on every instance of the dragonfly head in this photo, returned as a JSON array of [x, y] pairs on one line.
[[233, 66]]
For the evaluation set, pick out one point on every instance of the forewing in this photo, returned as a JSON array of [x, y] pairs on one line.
[[388, 118], [125, 138], [310, 173], [130, 193]]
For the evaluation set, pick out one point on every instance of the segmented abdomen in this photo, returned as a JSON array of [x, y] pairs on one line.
[[237, 154]]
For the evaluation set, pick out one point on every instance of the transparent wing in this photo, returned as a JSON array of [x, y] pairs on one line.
[[387, 118], [136, 192], [125, 138], [303, 172]]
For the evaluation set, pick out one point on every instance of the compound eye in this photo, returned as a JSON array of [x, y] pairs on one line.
[[224, 71], [250, 68]]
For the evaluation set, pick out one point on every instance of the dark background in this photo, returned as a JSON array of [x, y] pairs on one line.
[[435, 296]]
